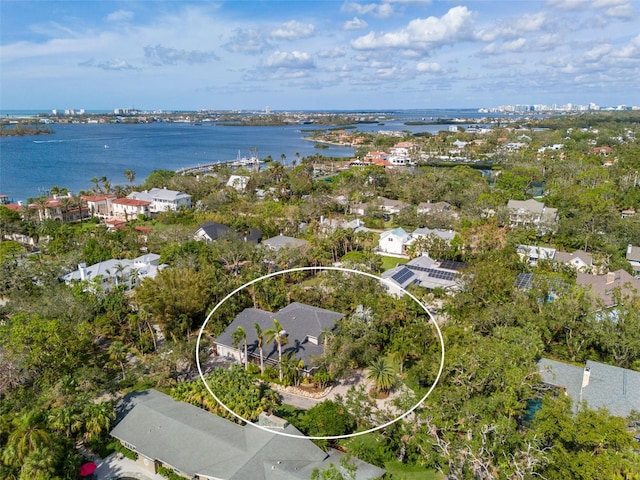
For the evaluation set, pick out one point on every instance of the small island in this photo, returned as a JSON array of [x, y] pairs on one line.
[[19, 130]]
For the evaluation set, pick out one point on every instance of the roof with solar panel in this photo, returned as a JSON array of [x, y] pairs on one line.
[[427, 273]]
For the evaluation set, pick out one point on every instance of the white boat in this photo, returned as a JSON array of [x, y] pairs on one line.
[[245, 162]]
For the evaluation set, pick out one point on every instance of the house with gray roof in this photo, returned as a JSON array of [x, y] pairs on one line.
[[304, 325], [424, 272], [599, 385], [114, 272], [211, 231], [633, 257], [283, 241], [199, 445], [603, 288], [532, 214], [580, 260]]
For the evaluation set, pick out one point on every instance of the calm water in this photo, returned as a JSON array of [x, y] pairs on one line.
[[76, 153]]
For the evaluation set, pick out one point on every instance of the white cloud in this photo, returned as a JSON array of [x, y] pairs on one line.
[[620, 11], [429, 67], [630, 51], [568, 4], [171, 56], [384, 10], [293, 30], [422, 33], [514, 27], [249, 41], [120, 16], [333, 53], [293, 59], [111, 64], [597, 52], [355, 24]]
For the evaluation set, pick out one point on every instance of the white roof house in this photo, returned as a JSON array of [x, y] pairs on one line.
[[238, 182], [116, 272], [162, 199]]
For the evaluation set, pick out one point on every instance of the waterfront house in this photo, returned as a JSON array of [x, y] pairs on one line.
[[163, 200], [199, 445], [129, 208], [303, 325], [61, 208], [99, 205]]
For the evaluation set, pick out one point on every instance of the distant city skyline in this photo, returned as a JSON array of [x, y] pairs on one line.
[[302, 55]]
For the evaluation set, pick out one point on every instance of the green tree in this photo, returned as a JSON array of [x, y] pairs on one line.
[[260, 336], [240, 336], [278, 335], [381, 373]]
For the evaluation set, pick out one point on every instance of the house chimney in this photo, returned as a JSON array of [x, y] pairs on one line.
[[585, 376], [611, 276], [82, 268], [629, 247]]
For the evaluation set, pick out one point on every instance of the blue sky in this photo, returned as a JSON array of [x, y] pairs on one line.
[[308, 54]]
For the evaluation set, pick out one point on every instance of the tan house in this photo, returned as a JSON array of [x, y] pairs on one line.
[[129, 208], [532, 214], [603, 288]]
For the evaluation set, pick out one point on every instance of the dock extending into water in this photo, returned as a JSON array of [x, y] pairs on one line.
[[250, 163]]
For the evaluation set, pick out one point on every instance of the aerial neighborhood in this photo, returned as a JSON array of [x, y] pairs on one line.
[[513, 247]]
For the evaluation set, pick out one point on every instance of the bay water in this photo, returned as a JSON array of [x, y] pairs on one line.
[[76, 153]]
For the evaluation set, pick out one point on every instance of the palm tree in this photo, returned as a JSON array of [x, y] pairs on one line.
[[27, 436], [240, 335], [131, 175], [278, 335], [98, 419], [118, 354], [381, 374], [260, 334]]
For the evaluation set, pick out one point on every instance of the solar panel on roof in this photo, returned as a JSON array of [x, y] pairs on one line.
[[523, 281], [402, 276], [453, 265], [440, 274]]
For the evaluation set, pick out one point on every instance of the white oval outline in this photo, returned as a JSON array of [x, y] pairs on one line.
[[329, 437]]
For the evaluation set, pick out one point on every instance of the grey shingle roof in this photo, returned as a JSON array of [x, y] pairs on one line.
[[215, 230], [199, 443], [604, 386], [297, 319], [283, 241]]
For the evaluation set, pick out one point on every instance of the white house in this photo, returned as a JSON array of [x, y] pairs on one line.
[[116, 272], [238, 182], [393, 241], [633, 257], [162, 200], [531, 213], [129, 208], [99, 205]]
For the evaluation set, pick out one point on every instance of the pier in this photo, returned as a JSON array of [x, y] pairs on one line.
[[251, 163]]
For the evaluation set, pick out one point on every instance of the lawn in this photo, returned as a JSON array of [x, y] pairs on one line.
[[390, 262], [400, 471]]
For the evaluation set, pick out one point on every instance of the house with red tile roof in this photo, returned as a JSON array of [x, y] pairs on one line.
[[129, 208]]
